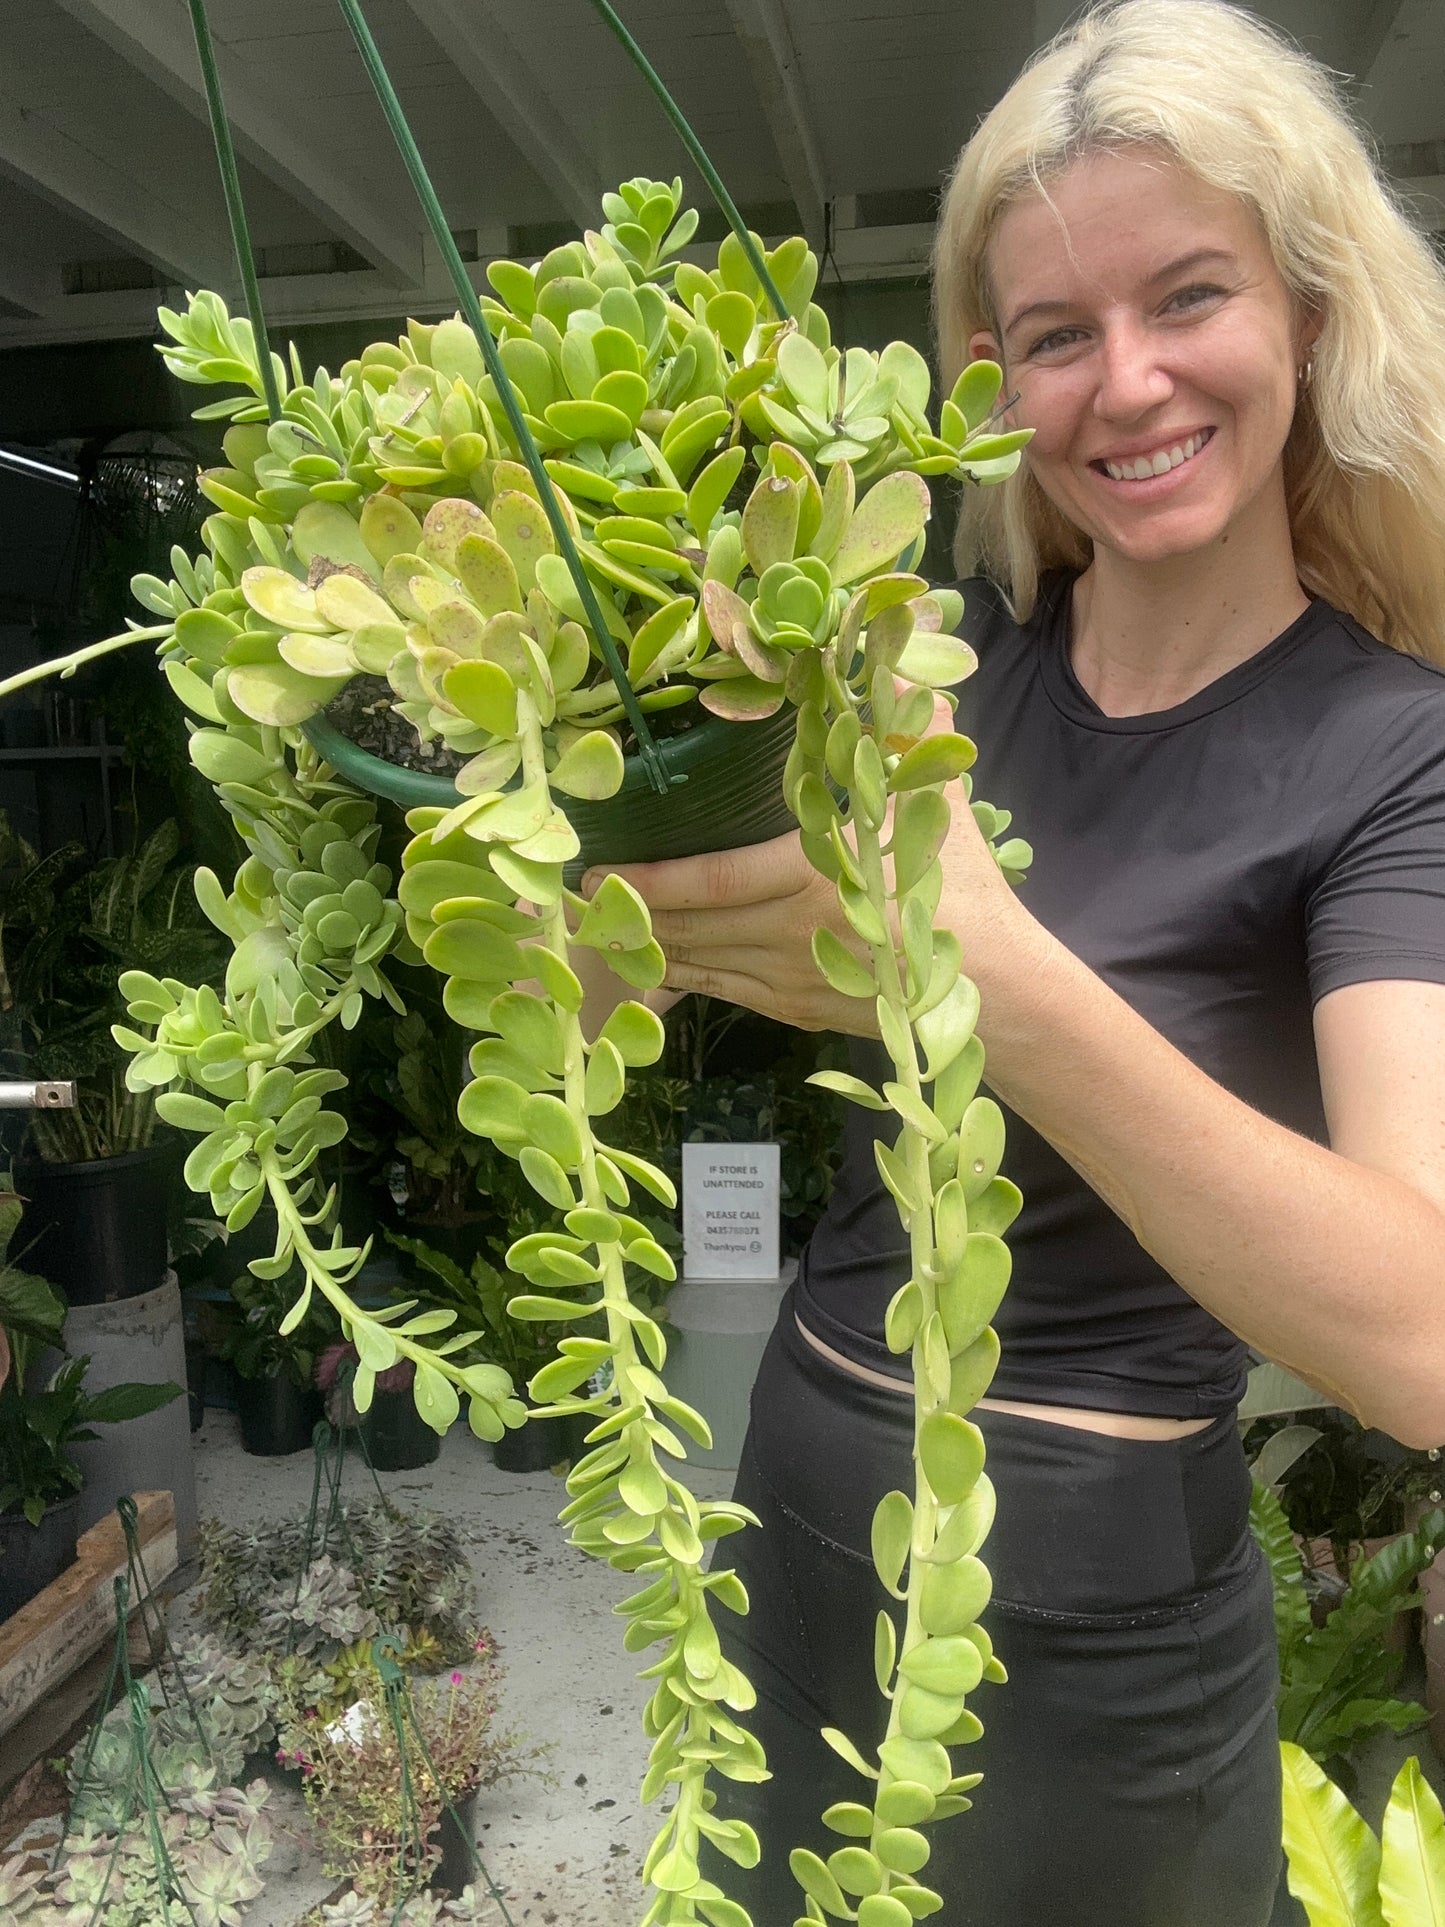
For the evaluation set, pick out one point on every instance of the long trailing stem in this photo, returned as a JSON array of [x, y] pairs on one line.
[[943, 1174], [66, 666]]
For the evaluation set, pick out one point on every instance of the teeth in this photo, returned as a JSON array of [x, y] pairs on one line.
[[1143, 466]]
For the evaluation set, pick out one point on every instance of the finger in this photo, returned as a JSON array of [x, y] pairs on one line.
[[746, 926], [750, 875], [942, 723]]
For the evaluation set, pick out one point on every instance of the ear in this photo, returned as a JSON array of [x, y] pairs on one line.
[[984, 345], [1308, 327]]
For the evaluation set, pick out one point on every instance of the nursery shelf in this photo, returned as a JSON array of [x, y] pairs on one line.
[[42, 1644]]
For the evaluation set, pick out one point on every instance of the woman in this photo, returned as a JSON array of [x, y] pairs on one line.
[[1216, 1009]]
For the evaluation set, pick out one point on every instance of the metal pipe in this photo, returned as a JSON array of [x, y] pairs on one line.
[[41, 1095]]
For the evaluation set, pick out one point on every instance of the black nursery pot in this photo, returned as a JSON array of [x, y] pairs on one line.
[[536, 1446], [457, 1868], [97, 1229], [31, 1556], [277, 1415], [395, 1436]]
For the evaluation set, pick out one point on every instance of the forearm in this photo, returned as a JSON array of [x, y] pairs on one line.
[[1335, 1270]]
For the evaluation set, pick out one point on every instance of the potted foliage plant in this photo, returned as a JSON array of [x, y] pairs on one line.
[[627, 485], [40, 1424], [96, 1178], [276, 1398], [1340, 1871]]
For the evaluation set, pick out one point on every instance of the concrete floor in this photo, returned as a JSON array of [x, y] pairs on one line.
[[565, 1849], [565, 1852]]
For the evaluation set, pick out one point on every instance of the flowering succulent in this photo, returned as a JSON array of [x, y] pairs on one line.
[[356, 1772]]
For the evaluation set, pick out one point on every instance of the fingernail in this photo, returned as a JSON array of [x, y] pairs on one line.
[[590, 881]]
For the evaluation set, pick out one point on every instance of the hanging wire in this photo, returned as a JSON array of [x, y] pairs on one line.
[[699, 154], [235, 208], [472, 312], [142, 1780], [401, 1710]]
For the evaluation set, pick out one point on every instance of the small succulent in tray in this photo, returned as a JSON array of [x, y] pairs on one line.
[[268, 1590]]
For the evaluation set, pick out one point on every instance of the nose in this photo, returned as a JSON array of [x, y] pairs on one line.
[[1131, 379]]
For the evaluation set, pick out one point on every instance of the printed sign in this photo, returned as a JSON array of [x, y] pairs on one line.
[[730, 1210]]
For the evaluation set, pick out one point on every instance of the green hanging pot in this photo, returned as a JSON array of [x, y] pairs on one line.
[[732, 795]]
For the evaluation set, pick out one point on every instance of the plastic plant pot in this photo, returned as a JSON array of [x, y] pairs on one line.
[[277, 1415], [32, 1556], [733, 795]]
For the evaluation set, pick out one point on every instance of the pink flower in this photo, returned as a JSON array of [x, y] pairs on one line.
[[456, 1679]]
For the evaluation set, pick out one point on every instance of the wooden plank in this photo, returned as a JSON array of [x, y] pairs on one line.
[[75, 1615]]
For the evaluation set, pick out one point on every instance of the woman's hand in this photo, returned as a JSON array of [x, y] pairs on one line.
[[739, 924]]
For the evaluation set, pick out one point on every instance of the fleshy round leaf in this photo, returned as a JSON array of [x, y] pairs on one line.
[[635, 1032], [552, 1128], [952, 1453], [937, 759], [891, 1531], [282, 600], [275, 693], [485, 694], [890, 517], [591, 767]]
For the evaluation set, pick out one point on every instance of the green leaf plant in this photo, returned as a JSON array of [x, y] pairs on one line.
[[1345, 1877], [1337, 1679], [746, 501]]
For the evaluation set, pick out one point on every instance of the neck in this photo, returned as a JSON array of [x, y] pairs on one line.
[[1146, 636]]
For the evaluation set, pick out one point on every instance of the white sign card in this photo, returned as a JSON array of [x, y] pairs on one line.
[[730, 1198]]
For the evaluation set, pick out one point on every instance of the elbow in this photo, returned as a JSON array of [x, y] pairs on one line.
[[1418, 1423]]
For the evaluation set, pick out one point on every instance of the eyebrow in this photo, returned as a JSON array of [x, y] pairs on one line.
[[1197, 258]]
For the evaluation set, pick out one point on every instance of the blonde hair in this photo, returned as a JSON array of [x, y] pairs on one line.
[[1243, 110]]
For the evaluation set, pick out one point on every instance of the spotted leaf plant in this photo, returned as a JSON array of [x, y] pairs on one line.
[[745, 500]]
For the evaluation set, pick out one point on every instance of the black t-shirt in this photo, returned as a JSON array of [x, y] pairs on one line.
[[1221, 865]]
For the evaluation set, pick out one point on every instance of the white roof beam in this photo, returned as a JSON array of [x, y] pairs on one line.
[[472, 35], [154, 37], [129, 207], [767, 40], [1373, 38], [24, 290]]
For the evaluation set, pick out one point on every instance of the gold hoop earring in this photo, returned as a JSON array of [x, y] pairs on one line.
[[1305, 373]]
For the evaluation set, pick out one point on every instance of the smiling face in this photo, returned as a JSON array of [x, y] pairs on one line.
[[1153, 346]]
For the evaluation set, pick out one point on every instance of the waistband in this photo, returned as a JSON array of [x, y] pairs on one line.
[[1031, 1380], [1086, 1523]]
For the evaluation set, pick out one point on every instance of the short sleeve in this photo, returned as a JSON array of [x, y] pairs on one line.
[[1376, 908]]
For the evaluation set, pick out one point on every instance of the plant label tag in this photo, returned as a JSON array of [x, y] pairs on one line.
[[730, 1195]]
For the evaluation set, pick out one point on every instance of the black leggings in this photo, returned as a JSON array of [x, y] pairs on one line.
[[1131, 1762]]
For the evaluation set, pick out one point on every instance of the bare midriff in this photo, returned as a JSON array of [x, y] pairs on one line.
[[1119, 1425]]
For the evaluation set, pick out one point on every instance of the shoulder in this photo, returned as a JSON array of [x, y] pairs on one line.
[[1382, 711]]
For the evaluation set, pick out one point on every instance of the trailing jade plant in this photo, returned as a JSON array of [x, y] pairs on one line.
[[743, 502]]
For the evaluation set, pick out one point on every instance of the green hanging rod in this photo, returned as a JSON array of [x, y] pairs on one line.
[[471, 308], [699, 154], [235, 208]]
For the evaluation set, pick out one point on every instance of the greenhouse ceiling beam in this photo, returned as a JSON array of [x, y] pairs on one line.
[[128, 207], [1374, 38], [154, 37], [23, 290], [472, 35], [767, 40]]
